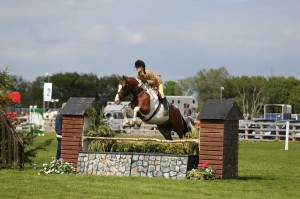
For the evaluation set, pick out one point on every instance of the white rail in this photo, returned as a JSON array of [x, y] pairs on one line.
[[250, 130]]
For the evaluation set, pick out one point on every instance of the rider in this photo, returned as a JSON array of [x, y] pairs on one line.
[[153, 80]]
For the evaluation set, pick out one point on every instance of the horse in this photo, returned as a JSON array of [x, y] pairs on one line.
[[146, 104]]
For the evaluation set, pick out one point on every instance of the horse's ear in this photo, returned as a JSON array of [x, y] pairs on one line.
[[124, 77], [119, 78]]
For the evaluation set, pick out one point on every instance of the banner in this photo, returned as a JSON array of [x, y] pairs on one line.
[[47, 92]]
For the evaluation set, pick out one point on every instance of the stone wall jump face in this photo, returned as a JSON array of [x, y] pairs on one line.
[[136, 164]]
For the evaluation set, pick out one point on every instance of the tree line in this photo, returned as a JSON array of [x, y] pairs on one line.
[[250, 92]]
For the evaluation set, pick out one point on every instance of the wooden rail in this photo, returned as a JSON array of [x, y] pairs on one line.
[[250, 130], [142, 139], [12, 147]]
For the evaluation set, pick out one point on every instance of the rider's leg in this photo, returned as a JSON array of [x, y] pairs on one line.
[[164, 99]]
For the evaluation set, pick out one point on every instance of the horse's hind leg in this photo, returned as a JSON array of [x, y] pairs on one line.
[[165, 131], [178, 123]]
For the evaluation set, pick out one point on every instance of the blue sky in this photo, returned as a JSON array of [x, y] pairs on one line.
[[175, 38]]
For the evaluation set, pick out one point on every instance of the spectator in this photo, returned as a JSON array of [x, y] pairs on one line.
[[58, 130], [187, 110]]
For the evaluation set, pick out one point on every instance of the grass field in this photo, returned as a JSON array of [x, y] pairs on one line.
[[265, 171]]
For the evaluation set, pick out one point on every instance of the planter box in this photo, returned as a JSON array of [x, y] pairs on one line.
[[170, 166]]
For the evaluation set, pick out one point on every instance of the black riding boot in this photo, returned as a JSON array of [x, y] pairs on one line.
[[166, 106]]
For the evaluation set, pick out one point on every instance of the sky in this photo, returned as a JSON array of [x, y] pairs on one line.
[[175, 38]]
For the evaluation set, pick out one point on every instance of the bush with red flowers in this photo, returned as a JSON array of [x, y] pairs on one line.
[[202, 172]]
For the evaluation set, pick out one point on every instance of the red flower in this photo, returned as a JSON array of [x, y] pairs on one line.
[[204, 165]]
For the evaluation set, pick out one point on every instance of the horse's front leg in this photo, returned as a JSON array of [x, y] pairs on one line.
[[124, 113], [134, 118]]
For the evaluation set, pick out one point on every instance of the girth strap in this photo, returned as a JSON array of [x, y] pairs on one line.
[[154, 113]]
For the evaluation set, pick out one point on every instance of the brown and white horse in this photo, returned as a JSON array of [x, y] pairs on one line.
[[146, 104]]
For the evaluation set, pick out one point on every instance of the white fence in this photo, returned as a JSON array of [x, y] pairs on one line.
[[266, 131]]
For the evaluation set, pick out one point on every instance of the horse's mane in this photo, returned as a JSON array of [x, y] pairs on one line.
[[127, 77]]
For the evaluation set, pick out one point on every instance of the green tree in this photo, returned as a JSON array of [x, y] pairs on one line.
[[294, 99], [108, 89], [66, 85], [5, 85], [279, 89], [172, 88], [250, 94], [206, 84]]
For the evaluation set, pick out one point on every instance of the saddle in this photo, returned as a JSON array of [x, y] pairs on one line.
[[150, 91]]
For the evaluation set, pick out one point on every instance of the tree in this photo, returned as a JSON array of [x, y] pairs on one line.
[[251, 94], [294, 99], [278, 89], [205, 84], [21, 85], [172, 88], [108, 89], [5, 85]]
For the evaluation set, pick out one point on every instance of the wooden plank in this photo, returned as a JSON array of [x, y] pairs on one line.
[[77, 135], [211, 148], [76, 139], [72, 126], [211, 139], [210, 157], [211, 152], [73, 117], [211, 126], [72, 130], [69, 156], [219, 172], [70, 152], [71, 160], [73, 120], [68, 147], [216, 167], [211, 162], [212, 130], [70, 143], [212, 134], [219, 144]]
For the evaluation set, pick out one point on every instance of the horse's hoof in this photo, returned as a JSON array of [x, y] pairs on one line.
[[131, 123], [138, 124]]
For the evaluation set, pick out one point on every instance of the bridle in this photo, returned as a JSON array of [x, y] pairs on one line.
[[127, 89]]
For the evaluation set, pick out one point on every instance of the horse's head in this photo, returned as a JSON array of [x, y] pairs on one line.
[[126, 87]]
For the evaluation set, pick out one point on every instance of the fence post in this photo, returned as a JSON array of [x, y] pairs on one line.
[[286, 147]]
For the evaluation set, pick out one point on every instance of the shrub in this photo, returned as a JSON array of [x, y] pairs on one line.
[[57, 167], [144, 147], [98, 128], [202, 172]]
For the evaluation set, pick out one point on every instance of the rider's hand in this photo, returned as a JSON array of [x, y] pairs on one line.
[[144, 81]]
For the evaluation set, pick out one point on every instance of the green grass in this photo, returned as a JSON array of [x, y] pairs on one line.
[[265, 171]]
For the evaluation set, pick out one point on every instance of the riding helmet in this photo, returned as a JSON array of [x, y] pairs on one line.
[[140, 63]]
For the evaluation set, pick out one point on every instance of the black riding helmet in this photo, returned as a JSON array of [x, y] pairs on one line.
[[140, 63]]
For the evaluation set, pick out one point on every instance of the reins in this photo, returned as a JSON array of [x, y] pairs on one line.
[[133, 90]]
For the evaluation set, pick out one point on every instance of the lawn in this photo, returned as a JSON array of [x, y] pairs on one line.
[[265, 171]]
